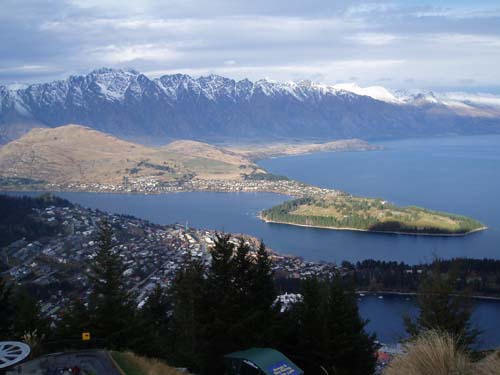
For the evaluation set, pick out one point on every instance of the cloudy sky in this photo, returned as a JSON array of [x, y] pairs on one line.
[[427, 44]]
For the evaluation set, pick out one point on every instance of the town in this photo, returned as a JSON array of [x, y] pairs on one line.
[[151, 185], [58, 266]]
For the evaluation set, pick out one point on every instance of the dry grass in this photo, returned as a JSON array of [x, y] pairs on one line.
[[77, 154], [431, 354], [437, 353], [132, 364], [489, 365]]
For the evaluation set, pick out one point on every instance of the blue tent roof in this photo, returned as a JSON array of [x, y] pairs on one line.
[[270, 361]]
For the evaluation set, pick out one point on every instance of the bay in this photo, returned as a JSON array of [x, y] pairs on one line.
[[459, 175]]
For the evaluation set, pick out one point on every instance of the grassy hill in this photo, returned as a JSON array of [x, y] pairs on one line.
[[132, 364], [78, 154], [343, 211]]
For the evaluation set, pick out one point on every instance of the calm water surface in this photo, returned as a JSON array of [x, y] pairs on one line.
[[385, 318], [460, 175]]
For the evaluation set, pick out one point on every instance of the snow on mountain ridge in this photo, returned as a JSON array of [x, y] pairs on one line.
[[375, 92], [116, 85], [113, 84], [476, 98]]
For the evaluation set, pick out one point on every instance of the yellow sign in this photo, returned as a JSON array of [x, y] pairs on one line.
[[85, 336]]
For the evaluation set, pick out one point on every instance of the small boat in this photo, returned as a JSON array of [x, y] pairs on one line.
[[380, 297]]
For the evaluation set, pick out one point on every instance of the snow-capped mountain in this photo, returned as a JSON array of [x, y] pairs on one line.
[[128, 104], [375, 92]]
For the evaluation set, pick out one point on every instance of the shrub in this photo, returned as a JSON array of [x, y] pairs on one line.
[[438, 353], [432, 353]]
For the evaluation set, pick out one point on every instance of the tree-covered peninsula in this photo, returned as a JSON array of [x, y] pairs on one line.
[[343, 211]]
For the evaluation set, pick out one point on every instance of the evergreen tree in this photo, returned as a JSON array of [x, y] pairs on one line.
[[6, 310], [330, 336], [188, 315], [311, 321], [154, 319], [111, 306], [226, 308], [220, 300], [442, 308], [242, 278], [221, 272], [239, 296], [156, 310], [352, 349], [263, 289], [75, 321], [262, 315], [28, 317], [255, 295]]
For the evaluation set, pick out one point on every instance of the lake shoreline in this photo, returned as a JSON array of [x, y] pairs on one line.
[[59, 190], [374, 231], [395, 293]]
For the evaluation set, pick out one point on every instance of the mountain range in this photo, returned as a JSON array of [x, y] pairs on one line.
[[129, 105]]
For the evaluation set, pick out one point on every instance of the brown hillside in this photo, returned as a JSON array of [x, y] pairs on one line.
[[78, 154]]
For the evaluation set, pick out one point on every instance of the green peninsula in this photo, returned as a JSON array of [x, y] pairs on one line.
[[343, 211]]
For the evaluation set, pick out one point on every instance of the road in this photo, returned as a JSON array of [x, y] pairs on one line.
[[91, 362]]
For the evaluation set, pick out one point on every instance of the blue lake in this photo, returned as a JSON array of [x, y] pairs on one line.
[[386, 318], [459, 175]]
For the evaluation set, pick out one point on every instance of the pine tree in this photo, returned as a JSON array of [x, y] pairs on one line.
[[352, 349], [111, 306], [259, 320], [156, 310], [242, 268], [188, 315], [255, 295], [263, 288], [6, 310], [75, 320], [220, 299], [229, 309], [311, 322], [331, 337], [28, 317], [442, 308], [221, 272], [154, 319]]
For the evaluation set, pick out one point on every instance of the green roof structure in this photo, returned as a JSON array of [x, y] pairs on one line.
[[260, 361]]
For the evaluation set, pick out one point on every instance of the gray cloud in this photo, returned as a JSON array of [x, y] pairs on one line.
[[323, 40]]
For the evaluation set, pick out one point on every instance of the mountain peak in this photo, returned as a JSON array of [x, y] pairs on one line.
[[374, 92], [127, 103], [105, 70]]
